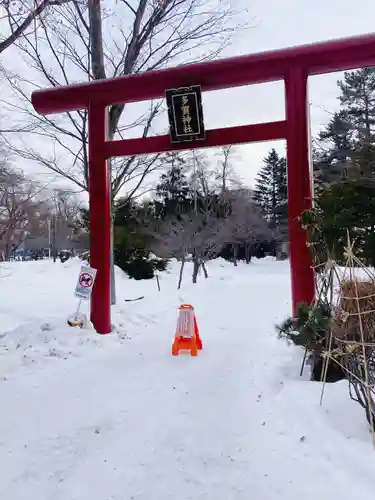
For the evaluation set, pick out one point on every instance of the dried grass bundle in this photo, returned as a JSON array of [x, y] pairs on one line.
[[356, 302]]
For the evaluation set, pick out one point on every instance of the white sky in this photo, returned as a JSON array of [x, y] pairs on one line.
[[281, 23], [284, 23]]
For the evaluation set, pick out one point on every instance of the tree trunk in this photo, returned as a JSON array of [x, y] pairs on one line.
[[204, 270], [6, 252], [54, 249], [181, 273], [96, 39], [247, 254], [235, 253], [195, 269]]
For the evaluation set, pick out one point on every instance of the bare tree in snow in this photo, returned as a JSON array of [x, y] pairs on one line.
[[210, 236], [66, 210], [171, 239], [208, 220], [224, 173], [22, 17], [60, 216], [247, 225], [197, 235], [20, 206]]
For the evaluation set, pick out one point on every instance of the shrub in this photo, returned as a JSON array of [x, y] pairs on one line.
[[137, 264], [310, 329], [160, 264], [139, 268]]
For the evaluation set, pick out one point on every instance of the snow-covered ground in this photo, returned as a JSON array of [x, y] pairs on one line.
[[85, 417]]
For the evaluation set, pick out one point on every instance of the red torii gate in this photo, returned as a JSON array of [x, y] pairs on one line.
[[293, 65]]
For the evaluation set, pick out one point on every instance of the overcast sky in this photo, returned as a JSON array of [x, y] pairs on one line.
[[277, 24]]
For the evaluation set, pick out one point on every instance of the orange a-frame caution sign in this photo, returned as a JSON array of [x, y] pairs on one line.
[[187, 334]]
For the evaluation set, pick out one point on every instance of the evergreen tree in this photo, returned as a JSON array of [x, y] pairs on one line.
[[358, 100], [339, 132], [331, 163], [342, 209], [132, 245], [347, 144], [281, 208], [173, 191], [271, 191]]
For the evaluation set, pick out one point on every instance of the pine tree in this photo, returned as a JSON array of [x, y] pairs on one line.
[[131, 242], [281, 209], [331, 163], [173, 191], [271, 191], [347, 144], [358, 100]]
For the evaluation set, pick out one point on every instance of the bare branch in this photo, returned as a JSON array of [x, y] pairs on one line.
[[21, 16]]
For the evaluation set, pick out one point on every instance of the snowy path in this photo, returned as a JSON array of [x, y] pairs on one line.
[[129, 421]]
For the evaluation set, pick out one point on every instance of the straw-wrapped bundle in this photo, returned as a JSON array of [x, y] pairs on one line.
[[356, 305]]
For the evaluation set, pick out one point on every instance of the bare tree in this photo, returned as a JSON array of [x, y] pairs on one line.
[[199, 235], [17, 17], [208, 224], [246, 223], [20, 206], [64, 211], [171, 239], [210, 235], [224, 173], [86, 42], [36, 237]]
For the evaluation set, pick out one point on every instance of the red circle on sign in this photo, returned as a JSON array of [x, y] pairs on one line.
[[85, 280]]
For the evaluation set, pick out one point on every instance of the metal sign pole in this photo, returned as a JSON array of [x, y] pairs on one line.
[[78, 309]]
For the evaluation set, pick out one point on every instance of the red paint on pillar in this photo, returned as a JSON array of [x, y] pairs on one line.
[[100, 218], [299, 186]]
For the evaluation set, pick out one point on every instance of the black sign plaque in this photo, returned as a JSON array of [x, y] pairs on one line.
[[185, 114]]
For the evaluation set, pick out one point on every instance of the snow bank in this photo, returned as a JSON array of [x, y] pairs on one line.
[[117, 417]]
